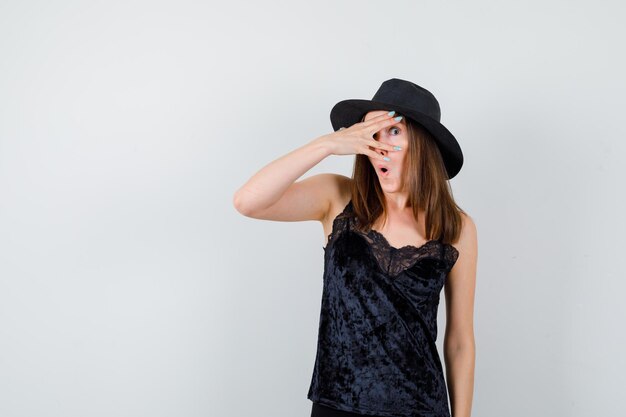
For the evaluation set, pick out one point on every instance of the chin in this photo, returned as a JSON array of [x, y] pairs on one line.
[[388, 185]]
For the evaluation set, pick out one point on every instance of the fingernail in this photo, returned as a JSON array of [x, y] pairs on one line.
[[386, 159], [397, 119], [391, 113], [397, 148]]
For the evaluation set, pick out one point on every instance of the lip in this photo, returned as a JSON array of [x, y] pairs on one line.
[[380, 172]]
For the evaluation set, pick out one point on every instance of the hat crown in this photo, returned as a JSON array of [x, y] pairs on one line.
[[402, 93]]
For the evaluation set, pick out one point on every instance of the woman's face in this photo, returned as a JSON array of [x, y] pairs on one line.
[[394, 135]]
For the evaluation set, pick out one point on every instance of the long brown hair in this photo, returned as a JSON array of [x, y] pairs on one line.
[[424, 177]]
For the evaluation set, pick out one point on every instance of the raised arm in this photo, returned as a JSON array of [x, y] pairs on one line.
[[273, 194]]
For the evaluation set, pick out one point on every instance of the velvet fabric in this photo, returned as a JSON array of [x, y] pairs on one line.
[[376, 352], [319, 410]]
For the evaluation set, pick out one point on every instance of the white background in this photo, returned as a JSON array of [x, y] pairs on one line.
[[130, 286]]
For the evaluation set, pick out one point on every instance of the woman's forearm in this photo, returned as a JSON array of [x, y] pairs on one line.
[[267, 186], [460, 378]]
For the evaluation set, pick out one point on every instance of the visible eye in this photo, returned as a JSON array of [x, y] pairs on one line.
[[390, 129]]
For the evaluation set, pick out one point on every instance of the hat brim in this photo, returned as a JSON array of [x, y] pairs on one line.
[[348, 112]]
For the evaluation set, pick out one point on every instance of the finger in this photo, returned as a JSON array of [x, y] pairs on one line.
[[378, 119], [385, 122], [381, 145], [374, 155], [389, 121]]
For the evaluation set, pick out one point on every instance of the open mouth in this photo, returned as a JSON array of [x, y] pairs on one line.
[[383, 170]]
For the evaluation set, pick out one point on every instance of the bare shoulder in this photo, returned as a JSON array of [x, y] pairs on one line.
[[468, 239], [467, 246], [340, 194]]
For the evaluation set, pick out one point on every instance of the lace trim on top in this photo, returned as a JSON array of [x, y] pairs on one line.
[[390, 259]]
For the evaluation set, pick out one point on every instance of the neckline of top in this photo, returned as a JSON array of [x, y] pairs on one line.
[[401, 248], [404, 248]]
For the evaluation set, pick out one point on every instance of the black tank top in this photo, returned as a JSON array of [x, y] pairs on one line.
[[376, 352]]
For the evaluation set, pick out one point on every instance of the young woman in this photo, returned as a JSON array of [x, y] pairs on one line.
[[394, 239]]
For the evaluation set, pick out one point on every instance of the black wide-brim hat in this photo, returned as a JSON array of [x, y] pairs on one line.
[[412, 101]]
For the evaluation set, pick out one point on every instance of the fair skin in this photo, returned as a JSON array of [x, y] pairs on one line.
[[274, 193], [400, 228]]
